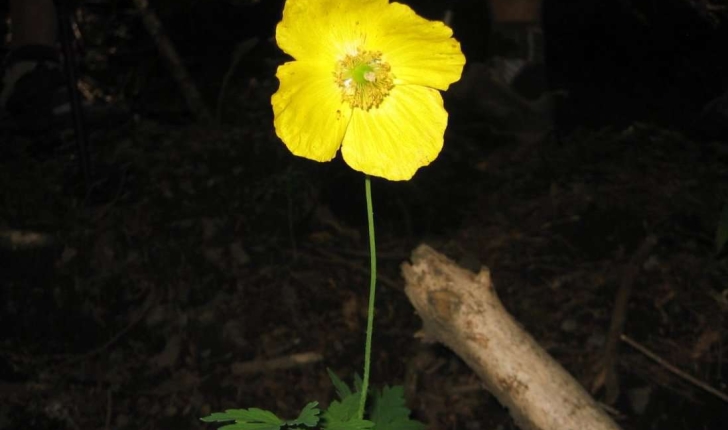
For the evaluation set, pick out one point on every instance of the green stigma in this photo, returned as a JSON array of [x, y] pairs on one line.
[[364, 79], [363, 73]]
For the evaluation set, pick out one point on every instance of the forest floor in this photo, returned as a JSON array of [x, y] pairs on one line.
[[203, 254]]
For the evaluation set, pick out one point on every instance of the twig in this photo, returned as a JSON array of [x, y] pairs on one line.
[[677, 372], [607, 375], [177, 68], [239, 53], [149, 302], [109, 408], [287, 362]]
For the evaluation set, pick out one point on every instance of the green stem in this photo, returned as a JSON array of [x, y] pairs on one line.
[[372, 292]]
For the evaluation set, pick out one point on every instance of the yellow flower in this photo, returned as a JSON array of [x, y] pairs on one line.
[[365, 78]]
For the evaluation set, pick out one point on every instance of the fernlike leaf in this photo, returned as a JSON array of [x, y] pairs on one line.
[[251, 415], [246, 419], [357, 382], [401, 424], [308, 417], [343, 411], [342, 389], [353, 424], [250, 426], [389, 411], [343, 415]]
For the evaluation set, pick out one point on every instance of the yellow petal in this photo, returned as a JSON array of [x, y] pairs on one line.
[[403, 134], [309, 115], [325, 29], [420, 51]]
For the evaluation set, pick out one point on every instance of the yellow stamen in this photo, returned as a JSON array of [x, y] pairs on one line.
[[364, 79]]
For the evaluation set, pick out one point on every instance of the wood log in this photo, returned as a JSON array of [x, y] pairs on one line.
[[462, 311]]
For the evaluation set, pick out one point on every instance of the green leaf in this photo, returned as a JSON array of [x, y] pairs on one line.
[[342, 389], [217, 417], [246, 419], [249, 415], [308, 417], [343, 411], [239, 426], [342, 415], [721, 234], [354, 424], [401, 424], [389, 411], [357, 383], [250, 426], [388, 405]]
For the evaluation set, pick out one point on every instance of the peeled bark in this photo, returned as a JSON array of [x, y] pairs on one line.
[[462, 311]]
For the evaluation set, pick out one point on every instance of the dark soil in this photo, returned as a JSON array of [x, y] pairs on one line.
[[202, 247]]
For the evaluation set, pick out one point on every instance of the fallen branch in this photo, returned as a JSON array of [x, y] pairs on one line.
[[461, 310]]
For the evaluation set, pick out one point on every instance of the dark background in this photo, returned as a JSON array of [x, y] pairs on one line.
[[201, 245]]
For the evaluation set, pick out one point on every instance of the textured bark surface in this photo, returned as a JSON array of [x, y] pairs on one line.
[[462, 311]]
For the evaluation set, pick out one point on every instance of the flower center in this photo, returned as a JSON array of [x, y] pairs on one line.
[[364, 79]]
